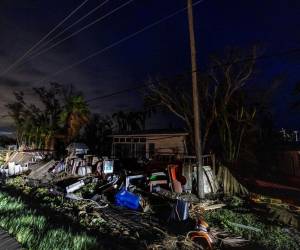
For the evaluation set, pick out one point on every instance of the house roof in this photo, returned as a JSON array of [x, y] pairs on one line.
[[152, 132]]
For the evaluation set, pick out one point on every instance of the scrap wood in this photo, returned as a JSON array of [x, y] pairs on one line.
[[222, 238], [213, 207], [40, 170], [211, 179], [231, 185], [199, 209]]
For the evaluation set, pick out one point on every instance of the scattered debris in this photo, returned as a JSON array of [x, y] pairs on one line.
[[40, 171], [180, 211], [75, 186], [127, 199], [148, 200], [230, 185]]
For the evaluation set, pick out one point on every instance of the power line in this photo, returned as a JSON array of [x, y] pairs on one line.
[[141, 86], [126, 38], [72, 25], [82, 29], [42, 39], [119, 92]]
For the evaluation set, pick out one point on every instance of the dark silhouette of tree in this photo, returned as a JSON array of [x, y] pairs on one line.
[[219, 89], [56, 113], [95, 134], [130, 121], [74, 115]]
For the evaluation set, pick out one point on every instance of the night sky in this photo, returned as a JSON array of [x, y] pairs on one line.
[[162, 51]]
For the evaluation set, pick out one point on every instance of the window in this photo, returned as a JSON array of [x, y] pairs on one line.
[[123, 150], [151, 150], [140, 151]]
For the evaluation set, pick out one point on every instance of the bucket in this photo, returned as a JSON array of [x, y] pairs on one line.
[[127, 199]]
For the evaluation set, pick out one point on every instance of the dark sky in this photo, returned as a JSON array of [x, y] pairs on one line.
[[162, 51]]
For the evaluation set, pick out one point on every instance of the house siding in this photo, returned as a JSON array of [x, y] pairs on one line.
[[161, 144]]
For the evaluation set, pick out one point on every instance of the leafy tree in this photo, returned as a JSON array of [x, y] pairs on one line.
[[218, 90], [16, 113], [74, 116], [59, 113]]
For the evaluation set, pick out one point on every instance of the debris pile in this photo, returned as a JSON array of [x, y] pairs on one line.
[[160, 198], [19, 162]]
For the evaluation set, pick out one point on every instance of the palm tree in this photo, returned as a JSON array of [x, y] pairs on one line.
[[74, 116]]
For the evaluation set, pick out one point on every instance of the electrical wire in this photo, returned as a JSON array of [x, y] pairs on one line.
[[82, 29], [72, 25], [141, 86], [42, 39], [126, 38], [118, 92]]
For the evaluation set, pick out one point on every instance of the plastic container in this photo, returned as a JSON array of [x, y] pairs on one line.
[[127, 199]]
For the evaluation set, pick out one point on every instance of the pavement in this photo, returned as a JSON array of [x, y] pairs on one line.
[[7, 242], [290, 193]]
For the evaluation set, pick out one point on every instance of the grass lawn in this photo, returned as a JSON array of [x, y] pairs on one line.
[[34, 232], [40, 220]]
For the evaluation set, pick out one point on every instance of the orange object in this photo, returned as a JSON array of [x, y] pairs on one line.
[[201, 238], [202, 223], [177, 179]]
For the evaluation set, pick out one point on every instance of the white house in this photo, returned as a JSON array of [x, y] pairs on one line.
[[148, 144]]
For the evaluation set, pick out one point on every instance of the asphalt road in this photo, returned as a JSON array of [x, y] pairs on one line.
[[7, 242]]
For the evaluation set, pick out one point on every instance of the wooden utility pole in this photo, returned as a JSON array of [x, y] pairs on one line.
[[197, 122]]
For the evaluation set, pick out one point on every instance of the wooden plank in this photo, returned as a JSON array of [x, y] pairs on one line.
[[213, 207]]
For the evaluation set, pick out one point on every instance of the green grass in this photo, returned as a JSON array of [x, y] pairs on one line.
[[270, 235], [33, 231], [69, 224]]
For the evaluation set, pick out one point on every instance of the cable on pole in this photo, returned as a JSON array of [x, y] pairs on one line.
[[126, 38], [71, 26], [82, 29], [42, 39], [141, 86]]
